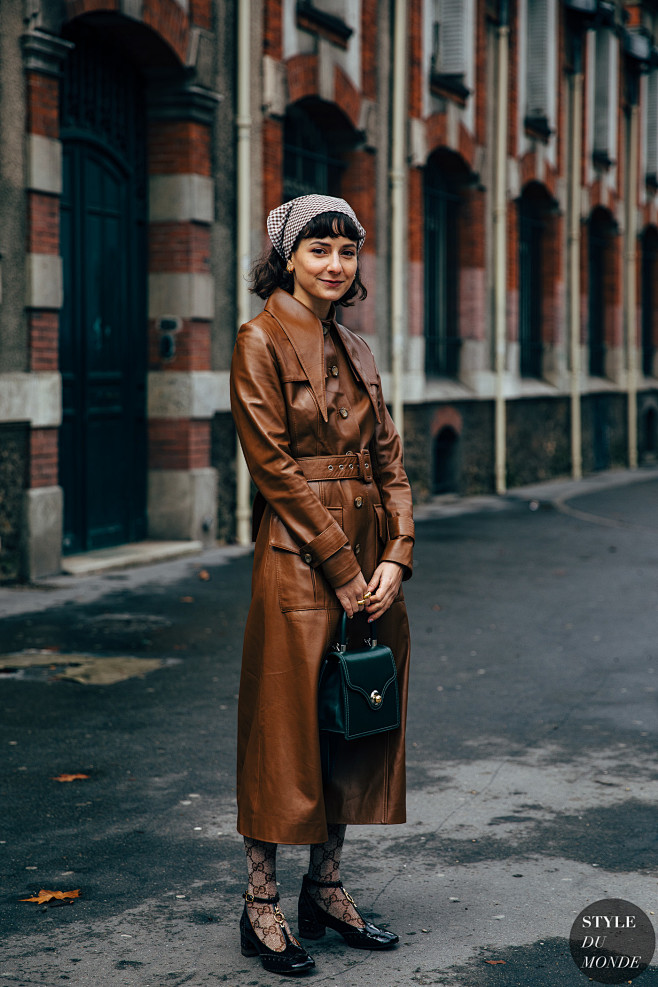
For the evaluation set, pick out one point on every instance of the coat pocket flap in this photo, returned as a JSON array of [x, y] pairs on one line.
[[280, 537]]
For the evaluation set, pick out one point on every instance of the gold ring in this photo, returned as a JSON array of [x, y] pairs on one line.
[[360, 603]]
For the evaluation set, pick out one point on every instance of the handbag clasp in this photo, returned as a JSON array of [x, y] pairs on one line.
[[375, 698]]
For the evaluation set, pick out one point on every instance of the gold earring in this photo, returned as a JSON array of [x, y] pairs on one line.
[[289, 267]]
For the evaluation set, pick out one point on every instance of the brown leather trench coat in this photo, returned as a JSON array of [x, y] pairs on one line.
[[309, 407]]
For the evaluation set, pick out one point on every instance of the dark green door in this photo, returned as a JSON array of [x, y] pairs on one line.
[[103, 326]]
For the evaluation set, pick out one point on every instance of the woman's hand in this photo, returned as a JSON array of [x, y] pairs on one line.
[[383, 587], [349, 593]]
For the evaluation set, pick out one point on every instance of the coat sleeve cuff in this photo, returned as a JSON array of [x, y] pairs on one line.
[[401, 524], [400, 550], [324, 545], [341, 567]]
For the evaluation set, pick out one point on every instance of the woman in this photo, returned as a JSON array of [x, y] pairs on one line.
[[334, 531]]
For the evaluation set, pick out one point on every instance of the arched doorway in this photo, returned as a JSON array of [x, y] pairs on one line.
[[103, 319]]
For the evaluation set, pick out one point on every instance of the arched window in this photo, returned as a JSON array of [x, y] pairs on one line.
[[442, 201], [649, 298], [312, 142], [532, 225], [600, 270]]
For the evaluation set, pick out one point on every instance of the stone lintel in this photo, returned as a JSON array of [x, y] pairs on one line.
[[33, 397], [192, 394], [190, 296], [181, 198], [44, 164], [44, 281]]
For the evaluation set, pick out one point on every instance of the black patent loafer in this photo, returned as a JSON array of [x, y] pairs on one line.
[[290, 961], [314, 921]]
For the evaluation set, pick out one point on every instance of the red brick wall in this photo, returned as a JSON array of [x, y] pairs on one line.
[[43, 457], [192, 347], [179, 147], [44, 340], [273, 29], [42, 105], [42, 93], [272, 164], [415, 45], [42, 223], [178, 444], [179, 247], [201, 13], [369, 44], [347, 96], [302, 77]]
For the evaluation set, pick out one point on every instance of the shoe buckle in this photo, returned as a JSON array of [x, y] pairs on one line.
[[279, 916], [249, 897], [349, 897]]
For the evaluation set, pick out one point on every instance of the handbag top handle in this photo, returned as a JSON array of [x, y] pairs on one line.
[[342, 642]]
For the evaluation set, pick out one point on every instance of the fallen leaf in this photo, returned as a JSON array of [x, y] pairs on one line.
[[69, 777], [45, 896], [204, 575], [187, 599], [494, 962]]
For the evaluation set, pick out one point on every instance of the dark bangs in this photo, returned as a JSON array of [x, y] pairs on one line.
[[333, 224]]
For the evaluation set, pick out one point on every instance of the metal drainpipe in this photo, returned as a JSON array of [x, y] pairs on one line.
[[573, 253], [500, 244], [630, 259], [398, 179], [243, 483]]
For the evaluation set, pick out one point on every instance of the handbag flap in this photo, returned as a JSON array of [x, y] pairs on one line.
[[369, 671]]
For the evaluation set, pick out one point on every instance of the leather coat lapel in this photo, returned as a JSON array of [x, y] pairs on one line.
[[304, 332]]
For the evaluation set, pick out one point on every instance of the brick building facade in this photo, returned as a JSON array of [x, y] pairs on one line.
[[529, 269]]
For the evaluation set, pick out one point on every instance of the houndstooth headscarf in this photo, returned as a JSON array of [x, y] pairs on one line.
[[285, 223]]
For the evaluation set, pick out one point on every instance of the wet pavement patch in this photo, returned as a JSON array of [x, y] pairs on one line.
[[616, 838], [545, 963], [86, 669]]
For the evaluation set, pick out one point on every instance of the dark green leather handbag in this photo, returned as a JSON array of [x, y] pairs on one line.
[[358, 692]]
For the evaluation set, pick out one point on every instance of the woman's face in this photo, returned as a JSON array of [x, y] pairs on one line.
[[324, 270]]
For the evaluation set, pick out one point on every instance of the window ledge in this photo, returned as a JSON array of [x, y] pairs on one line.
[[450, 86], [538, 128], [327, 26]]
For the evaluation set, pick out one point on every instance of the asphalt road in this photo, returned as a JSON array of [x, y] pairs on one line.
[[531, 764]]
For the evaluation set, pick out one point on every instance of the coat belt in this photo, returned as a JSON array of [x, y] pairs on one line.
[[351, 466]]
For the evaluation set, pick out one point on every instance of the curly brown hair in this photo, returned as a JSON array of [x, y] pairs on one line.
[[269, 272]]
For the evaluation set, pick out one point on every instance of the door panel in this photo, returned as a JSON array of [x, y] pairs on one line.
[[103, 331]]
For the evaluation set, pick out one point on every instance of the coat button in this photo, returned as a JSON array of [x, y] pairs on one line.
[[308, 558], [357, 549], [358, 501], [334, 371], [343, 412]]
